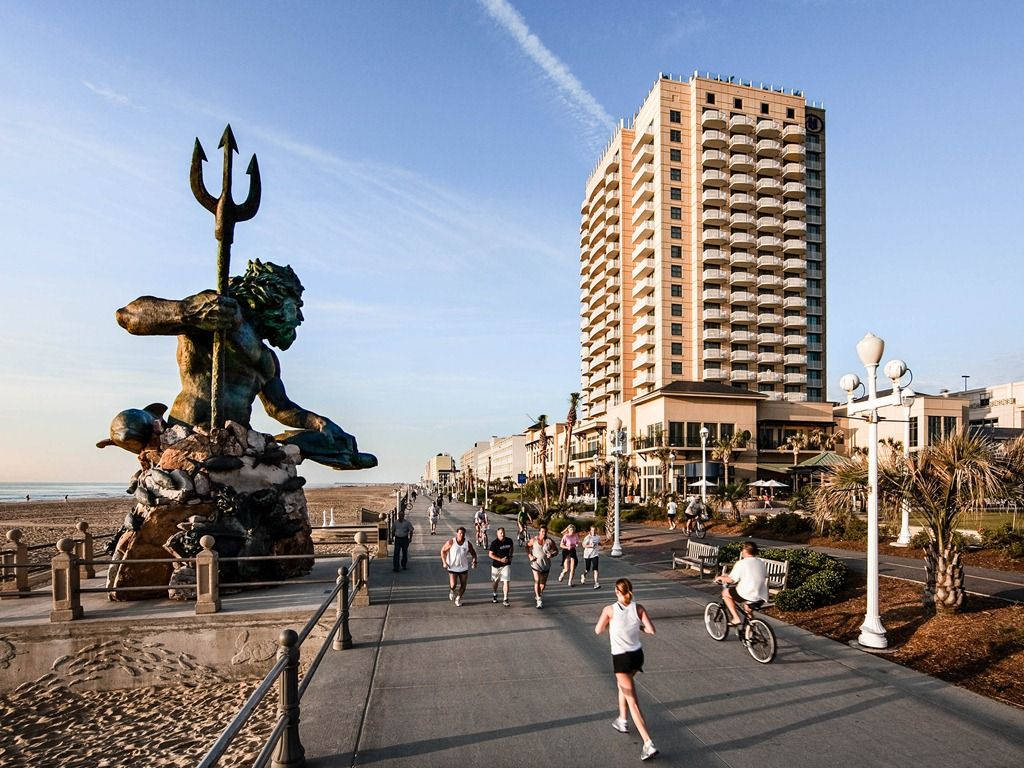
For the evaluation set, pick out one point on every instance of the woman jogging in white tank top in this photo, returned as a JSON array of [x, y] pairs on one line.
[[625, 621]]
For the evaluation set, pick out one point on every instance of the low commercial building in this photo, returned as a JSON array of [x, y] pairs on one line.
[[439, 472], [1000, 406], [928, 418]]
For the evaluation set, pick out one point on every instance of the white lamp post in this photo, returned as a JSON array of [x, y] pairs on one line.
[[704, 464], [618, 444], [903, 540], [869, 350], [671, 473]]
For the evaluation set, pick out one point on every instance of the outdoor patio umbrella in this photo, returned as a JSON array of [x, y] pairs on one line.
[[757, 484], [702, 483], [773, 484]]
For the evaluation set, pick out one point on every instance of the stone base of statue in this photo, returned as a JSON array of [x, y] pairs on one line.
[[235, 484]]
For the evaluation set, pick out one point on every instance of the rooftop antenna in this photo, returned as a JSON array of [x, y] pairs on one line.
[[965, 377]]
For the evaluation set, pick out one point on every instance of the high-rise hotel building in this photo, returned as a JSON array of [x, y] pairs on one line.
[[702, 267], [703, 248]]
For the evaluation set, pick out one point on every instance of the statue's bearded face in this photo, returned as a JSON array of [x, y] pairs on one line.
[[278, 325]]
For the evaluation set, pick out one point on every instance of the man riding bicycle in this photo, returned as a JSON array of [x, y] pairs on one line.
[[746, 584], [523, 522], [480, 521], [694, 509]]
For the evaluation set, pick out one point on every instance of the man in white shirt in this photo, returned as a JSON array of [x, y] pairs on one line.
[[746, 584], [671, 510]]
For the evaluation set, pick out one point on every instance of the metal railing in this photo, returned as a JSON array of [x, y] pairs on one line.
[[284, 747]]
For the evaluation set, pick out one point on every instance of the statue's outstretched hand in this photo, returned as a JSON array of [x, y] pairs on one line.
[[210, 311], [343, 441]]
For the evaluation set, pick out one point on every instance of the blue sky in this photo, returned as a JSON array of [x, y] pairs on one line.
[[423, 165]]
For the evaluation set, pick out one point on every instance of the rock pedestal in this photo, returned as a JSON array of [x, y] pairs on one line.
[[235, 484]]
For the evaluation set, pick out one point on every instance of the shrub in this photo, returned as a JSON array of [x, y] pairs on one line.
[[815, 579], [1004, 538], [785, 525]]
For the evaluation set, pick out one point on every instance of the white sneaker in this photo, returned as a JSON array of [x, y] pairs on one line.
[[648, 751], [620, 725], [458, 602], [494, 597], [583, 578], [451, 594], [505, 602], [561, 575], [596, 585], [540, 603]]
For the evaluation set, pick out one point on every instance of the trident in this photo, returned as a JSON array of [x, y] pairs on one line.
[[226, 215]]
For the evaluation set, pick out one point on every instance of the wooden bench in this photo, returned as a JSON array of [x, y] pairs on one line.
[[702, 557], [777, 572]]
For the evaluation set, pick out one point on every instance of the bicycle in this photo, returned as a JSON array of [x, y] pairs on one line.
[[698, 530], [754, 633]]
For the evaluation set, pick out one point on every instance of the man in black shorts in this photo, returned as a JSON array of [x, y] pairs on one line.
[[500, 552]]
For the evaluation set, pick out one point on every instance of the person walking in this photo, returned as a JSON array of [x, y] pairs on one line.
[[403, 536], [671, 510], [591, 555], [432, 516], [540, 550], [500, 552], [457, 555], [625, 621], [570, 540], [440, 503]]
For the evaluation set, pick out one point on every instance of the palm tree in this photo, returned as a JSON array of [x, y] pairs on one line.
[[542, 425], [942, 482], [723, 449], [796, 443], [825, 441], [731, 494], [570, 424]]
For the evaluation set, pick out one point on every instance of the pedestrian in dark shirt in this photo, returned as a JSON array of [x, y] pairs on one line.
[[500, 552], [403, 535]]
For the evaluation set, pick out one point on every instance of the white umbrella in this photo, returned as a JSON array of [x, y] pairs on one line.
[[702, 484], [757, 484], [774, 484]]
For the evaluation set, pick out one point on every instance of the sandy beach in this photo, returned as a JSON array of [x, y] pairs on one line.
[[50, 723]]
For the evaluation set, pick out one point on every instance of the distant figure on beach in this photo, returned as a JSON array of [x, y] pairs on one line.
[[27, 497], [65, 497]]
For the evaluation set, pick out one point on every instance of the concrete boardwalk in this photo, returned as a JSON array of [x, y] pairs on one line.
[[430, 684]]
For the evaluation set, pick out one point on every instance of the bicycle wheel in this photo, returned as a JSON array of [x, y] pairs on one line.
[[762, 641], [715, 621], [699, 530]]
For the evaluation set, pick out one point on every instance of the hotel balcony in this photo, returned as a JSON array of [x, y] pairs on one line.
[[742, 201], [715, 236], [714, 294], [742, 277], [643, 323], [743, 356], [769, 358], [714, 275], [644, 360], [795, 340], [645, 154], [743, 337], [795, 321], [741, 240], [769, 224], [612, 214], [612, 353], [742, 297], [741, 220], [714, 158], [742, 376], [794, 208], [642, 192], [714, 196], [715, 256], [793, 172], [644, 304], [643, 248], [769, 338], [643, 230], [767, 185], [769, 319], [713, 178], [641, 138], [794, 283], [712, 118], [642, 267], [768, 129], [769, 167], [794, 152], [643, 378], [794, 246], [768, 148], [768, 204], [769, 262], [644, 286], [768, 300], [643, 341], [794, 265], [795, 378], [644, 173], [794, 189], [714, 314], [795, 397], [795, 360], [612, 232], [714, 139], [714, 216], [643, 212], [794, 302], [769, 377], [742, 316], [795, 227], [714, 354], [794, 132], [741, 182], [769, 243], [742, 124], [611, 180], [713, 374], [743, 259], [611, 264], [741, 163], [771, 394], [741, 142], [714, 334], [769, 281]]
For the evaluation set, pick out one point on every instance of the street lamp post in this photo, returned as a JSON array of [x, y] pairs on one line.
[[618, 444], [704, 464], [903, 540], [671, 473], [869, 350]]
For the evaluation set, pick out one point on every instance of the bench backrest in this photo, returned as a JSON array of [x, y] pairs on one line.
[[778, 572], [696, 549]]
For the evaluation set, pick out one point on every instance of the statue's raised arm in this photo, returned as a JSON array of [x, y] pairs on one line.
[[206, 311]]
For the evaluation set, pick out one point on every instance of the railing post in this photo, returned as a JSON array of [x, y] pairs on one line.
[[207, 577], [15, 579], [360, 569], [67, 601], [85, 550], [343, 637], [289, 752]]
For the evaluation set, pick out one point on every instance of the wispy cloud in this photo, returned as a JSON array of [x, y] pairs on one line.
[[580, 101], [105, 92]]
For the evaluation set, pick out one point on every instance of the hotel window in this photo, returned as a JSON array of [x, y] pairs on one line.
[[677, 251], [675, 212], [814, 230], [676, 193], [677, 290], [675, 174], [677, 369], [813, 210], [814, 394], [675, 155], [674, 116], [677, 233], [764, 108], [813, 157], [814, 357], [814, 175], [934, 429], [738, 103], [813, 194], [677, 347], [949, 425], [677, 329], [711, 98], [675, 432], [912, 443], [677, 270], [814, 249], [674, 135], [677, 310], [693, 433], [790, 113], [727, 430]]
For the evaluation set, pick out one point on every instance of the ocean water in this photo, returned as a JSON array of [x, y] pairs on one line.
[[11, 492]]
